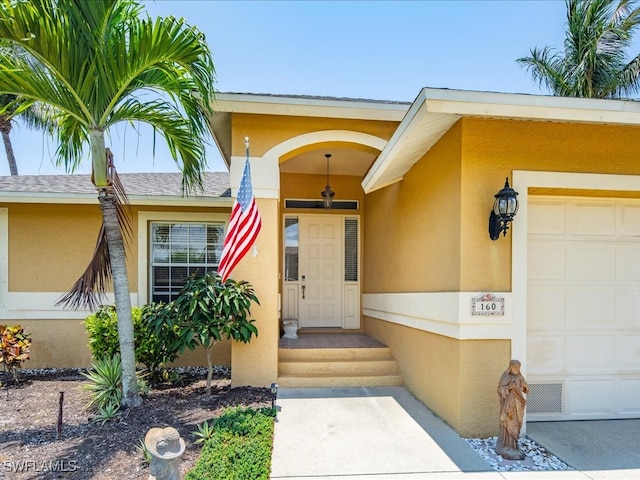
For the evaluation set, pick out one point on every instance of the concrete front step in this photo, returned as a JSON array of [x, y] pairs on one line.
[[318, 381], [337, 367], [328, 354], [342, 367]]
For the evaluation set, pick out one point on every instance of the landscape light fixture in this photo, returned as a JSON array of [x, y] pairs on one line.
[[327, 193], [274, 394], [505, 208]]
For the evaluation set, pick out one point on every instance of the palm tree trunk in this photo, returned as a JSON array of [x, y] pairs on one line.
[[130, 396], [115, 244], [5, 127]]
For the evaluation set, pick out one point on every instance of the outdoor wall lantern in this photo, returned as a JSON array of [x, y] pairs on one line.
[[505, 208], [327, 193], [274, 394]]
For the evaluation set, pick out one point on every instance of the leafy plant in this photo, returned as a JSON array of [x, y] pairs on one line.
[[204, 432], [208, 310], [106, 413], [104, 388], [152, 348], [15, 347], [105, 383], [239, 448], [144, 451]]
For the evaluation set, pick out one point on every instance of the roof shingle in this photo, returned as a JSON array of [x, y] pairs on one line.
[[216, 184]]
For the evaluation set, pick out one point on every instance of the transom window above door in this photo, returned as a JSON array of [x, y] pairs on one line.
[[179, 250]]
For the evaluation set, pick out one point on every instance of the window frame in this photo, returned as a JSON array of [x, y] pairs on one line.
[[145, 219]]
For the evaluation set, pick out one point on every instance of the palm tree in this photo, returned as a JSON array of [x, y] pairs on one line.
[[5, 129], [32, 117], [96, 64], [593, 63]]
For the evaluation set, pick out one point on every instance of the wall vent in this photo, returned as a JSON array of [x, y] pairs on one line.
[[319, 204], [544, 398]]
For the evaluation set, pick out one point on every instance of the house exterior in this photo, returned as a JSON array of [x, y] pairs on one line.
[[404, 255], [48, 230]]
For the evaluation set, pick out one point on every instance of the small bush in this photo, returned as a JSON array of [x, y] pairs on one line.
[[15, 345], [240, 447], [104, 388], [152, 348]]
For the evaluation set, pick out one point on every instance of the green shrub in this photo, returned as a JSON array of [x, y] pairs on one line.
[[14, 347], [153, 348], [105, 383], [208, 310], [104, 388], [240, 447]]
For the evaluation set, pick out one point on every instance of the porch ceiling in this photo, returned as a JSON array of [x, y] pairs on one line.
[[343, 161]]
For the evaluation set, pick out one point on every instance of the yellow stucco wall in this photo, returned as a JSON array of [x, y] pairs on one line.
[[256, 363], [412, 228], [456, 379], [266, 131], [50, 245]]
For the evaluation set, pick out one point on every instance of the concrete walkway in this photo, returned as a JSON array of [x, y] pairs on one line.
[[385, 433]]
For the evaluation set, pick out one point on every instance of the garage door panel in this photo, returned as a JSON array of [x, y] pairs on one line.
[[589, 354], [628, 263], [591, 396], [546, 355], [591, 219], [628, 352], [583, 308], [590, 309], [546, 262], [545, 309], [628, 397], [592, 262], [630, 220], [547, 219], [628, 309]]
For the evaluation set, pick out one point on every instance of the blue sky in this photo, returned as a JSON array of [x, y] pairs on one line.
[[385, 50]]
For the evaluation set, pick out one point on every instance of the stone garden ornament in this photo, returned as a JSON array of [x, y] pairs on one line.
[[511, 390], [166, 447]]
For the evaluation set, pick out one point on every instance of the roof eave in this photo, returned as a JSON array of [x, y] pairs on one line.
[[225, 104], [135, 200], [435, 111]]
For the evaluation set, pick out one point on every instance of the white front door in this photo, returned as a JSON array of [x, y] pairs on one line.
[[320, 275]]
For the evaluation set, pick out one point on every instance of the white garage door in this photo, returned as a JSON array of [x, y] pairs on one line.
[[583, 308]]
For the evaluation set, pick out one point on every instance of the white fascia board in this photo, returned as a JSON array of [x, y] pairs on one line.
[[91, 199], [531, 107], [309, 107], [408, 125]]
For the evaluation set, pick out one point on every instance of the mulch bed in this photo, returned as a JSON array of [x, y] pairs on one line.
[[30, 449]]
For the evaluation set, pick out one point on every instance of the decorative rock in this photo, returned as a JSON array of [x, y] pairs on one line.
[[536, 457], [166, 447]]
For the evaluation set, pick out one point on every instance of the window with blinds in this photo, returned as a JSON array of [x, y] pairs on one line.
[[291, 242], [179, 250], [350, 249]]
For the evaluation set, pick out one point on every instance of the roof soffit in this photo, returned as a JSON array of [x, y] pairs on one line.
[[435, 111]]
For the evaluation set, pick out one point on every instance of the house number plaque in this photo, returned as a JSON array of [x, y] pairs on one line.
[[487, 304]]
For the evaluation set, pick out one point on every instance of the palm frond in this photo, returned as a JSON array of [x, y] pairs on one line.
[[593, 63], [89, 290]]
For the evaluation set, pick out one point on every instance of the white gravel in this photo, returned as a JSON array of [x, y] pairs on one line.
[[537, 458]]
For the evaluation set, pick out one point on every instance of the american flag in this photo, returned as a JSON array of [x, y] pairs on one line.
[[244, 225]]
